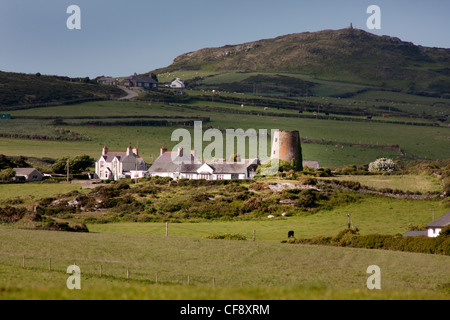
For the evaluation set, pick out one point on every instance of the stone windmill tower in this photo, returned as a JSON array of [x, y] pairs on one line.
[[286, 146]]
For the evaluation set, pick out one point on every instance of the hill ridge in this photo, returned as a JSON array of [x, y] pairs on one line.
[[347, 54]]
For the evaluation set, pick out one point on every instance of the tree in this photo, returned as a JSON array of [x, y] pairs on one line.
[[60, 166], [7, 174], [5, 162], [154, 76], [81, 163], [21, 163], [77, 164]]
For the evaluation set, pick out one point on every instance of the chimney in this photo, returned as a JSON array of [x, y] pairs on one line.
[[129, 151], [163, 150], [105, 150], [180, 152], [135, 151]]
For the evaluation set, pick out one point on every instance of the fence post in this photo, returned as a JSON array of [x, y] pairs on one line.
[[213, 282], [128, 273], [254, 235], [167, 229], [189, 281], [156, 277]]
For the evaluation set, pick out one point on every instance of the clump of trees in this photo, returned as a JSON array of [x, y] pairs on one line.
[[77, 164]]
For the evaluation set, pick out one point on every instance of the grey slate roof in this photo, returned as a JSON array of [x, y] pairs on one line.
[[24, 171], [440, 222], [224, 168], [190, 167], [121, 156], [141, 79], [415, 233]]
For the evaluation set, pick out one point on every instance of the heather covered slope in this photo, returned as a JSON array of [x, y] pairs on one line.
[[19, 90]]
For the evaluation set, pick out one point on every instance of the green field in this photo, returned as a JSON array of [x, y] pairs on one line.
[[415, 141], [371, 215], [32, 192], [241, 269], [413, 183]]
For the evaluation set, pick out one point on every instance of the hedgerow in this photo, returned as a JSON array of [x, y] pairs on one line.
[[352, 238]]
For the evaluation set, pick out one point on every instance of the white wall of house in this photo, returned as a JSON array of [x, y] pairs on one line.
[[163, 174], [206, 176], [138, 174], [433, 232]]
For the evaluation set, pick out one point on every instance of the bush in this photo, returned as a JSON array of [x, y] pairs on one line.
[[382, 165], [445, 232], [7, 174], [10, 214], [229, 236]]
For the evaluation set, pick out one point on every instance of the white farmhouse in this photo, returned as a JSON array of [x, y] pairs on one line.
[[181, 165], [435, 227], [177, 84], [27, 174], [116, 165], [215, 171]]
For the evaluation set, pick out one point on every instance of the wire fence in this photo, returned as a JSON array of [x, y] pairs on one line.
[[115, 270]]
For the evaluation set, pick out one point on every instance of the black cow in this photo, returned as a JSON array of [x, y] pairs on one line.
[[290, 234]]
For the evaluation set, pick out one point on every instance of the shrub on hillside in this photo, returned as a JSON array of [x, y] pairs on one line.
[[445, 232], [229, 236], [382, 165], [10, 214]]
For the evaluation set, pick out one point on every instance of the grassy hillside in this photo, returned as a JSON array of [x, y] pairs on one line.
[[241, 269], [348, 55], [24, 90]]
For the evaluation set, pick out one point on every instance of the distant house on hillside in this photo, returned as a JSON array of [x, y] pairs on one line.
[[28, 174], [435, 227], [136, 81], [116, 165], [108, 81], [177, 84]]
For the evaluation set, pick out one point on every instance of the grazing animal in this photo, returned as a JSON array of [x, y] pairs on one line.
[[290, 234]]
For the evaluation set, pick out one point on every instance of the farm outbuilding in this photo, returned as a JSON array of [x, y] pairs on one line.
[[28, 174], [435, 227]]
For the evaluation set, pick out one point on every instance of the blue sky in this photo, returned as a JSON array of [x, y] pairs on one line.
[[118, 38]]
